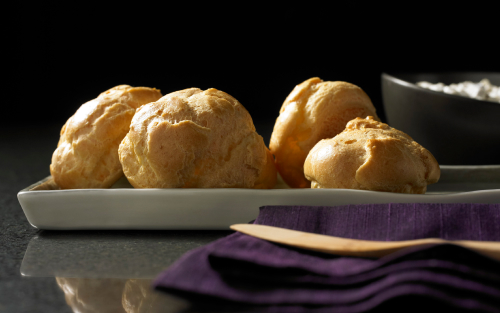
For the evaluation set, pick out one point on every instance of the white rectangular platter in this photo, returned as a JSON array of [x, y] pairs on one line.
[[123, 207]]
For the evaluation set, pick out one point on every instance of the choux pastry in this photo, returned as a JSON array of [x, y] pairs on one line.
[[87, 152], [370, 155], [314, 110], [196, 139]]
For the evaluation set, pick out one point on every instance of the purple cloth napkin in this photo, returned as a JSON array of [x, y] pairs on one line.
[[244, 269]]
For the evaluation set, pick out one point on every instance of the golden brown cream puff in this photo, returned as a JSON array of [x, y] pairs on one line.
[[314, 110], [87, 152], [370, 155], [196, 139]]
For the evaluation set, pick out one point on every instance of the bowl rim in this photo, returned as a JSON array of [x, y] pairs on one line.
[[405, 83]]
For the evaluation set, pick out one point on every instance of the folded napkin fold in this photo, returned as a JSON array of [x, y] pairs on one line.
[[272, 277]]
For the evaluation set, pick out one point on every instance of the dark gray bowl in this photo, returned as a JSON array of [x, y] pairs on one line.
[[456, 130]]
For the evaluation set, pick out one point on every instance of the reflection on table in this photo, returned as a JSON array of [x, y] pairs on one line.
[[112, 295], [112, 271], [109, 254]]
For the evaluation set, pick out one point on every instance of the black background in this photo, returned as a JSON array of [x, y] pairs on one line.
[[61, 56]]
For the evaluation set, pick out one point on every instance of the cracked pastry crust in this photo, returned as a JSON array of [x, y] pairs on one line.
[[370, 155], [314, 110], [87, 152], [196, 139]]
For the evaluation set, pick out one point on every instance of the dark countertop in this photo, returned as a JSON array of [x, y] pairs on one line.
[[85, 271], [36, 265], [38, 268]]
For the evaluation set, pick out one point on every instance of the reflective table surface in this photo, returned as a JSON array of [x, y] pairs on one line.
[[77, 271], [84, 271]]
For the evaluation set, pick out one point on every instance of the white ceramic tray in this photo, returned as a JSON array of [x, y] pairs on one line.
[[123, 207]]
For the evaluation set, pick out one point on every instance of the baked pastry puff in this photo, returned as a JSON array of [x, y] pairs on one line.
[[370, 155], [196, 139], [314, 110], [87, 152]]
